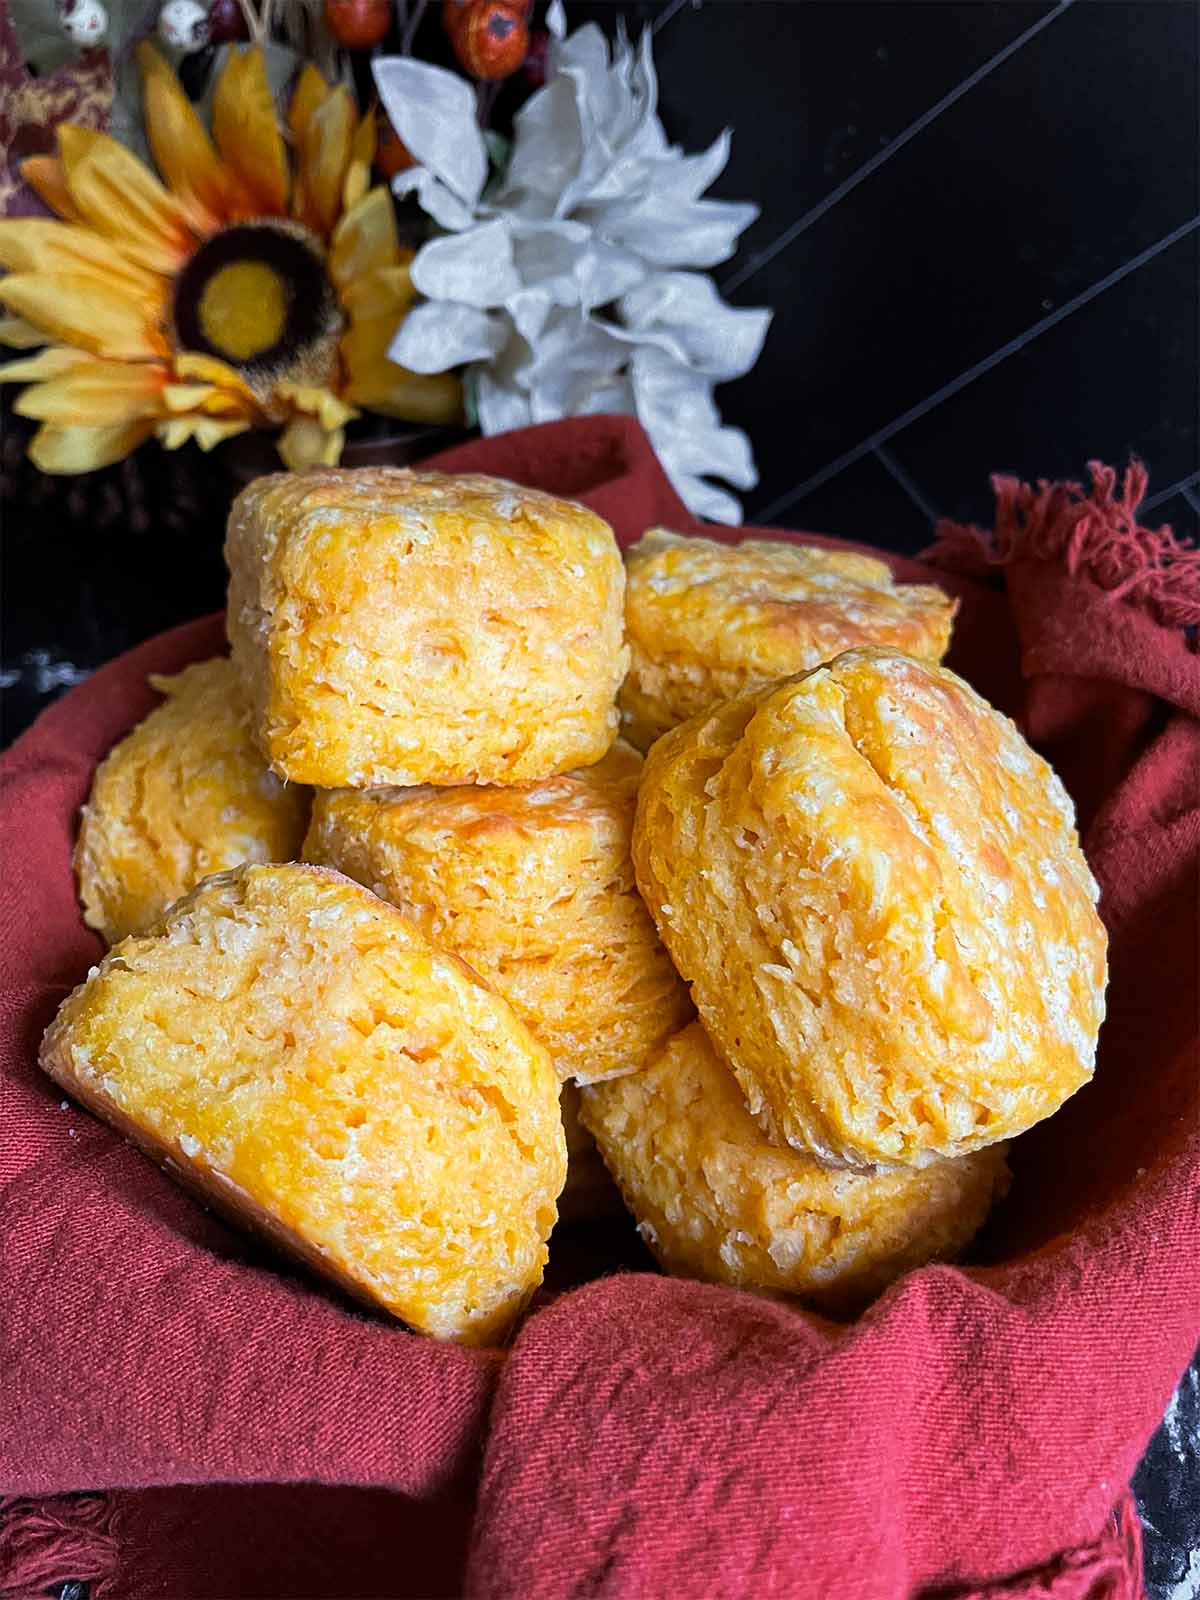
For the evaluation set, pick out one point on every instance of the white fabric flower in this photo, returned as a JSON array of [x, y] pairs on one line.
[[563, 287]]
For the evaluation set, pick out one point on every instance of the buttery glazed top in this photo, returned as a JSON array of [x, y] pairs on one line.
[[876, 889], [773, 607]]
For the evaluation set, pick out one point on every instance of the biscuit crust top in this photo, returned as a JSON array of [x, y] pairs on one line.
[[707, 620], [406, 627], [876, 889], [184, 794]]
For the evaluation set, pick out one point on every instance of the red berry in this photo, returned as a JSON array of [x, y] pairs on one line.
[[490, 37], [358, 24], [226, 22]]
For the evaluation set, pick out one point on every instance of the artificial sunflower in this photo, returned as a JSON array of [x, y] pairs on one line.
[[249, 288]]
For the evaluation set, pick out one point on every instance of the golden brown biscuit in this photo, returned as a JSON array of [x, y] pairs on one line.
[[590, 1194], [532, 886], [185, 794], [298, 1052], [714, 1199], [410, 627], [876, 890], [707, 621]]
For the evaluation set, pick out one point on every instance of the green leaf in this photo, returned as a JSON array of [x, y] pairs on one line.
[[499, 151], [470, 392]]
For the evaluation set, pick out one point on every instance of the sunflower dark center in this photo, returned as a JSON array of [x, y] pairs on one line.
[[255, 295]]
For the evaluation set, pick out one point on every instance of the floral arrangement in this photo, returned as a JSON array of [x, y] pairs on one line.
[[558, 284], [235, 260], [256, 282]]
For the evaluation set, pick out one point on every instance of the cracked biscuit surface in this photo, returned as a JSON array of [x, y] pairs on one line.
[[299, 1053], [185, 794], [715, 1199], [533, 887], [397, 627], [707, 621], [876, 890]]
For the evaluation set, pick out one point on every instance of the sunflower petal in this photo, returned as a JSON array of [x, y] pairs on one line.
[[362, 153], [182, 149], [73, 308], [19, 334], [385, 293], [67, 450], [102, 394], [121, 198], [39, 244], [247, 129], [205, 398], [380, 385], [310, 92], [45, 175], [49, 363], [210, 371], [365, 240], [324, 157], [206, 431], [304, 443], [183, 397], [320, 403]]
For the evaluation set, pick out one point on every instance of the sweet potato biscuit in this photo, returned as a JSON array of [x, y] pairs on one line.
[[715, 1199], [533, 887], [876, 890], [185, 794], [707, 621], [298, 1051], [590, 1194], [411, 627]]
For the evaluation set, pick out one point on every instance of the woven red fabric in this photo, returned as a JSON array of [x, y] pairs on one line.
[[971, 1434]]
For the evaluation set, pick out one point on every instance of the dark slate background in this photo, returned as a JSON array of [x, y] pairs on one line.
[[980, 233]]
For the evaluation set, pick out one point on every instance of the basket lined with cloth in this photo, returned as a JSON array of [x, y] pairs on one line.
[[972, 1433]]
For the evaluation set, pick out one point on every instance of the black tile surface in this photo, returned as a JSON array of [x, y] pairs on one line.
[[96, 564], [1167, 1485], [1023, 194], [866, 502], [1114, 380], [814, 90], [1181, 514]]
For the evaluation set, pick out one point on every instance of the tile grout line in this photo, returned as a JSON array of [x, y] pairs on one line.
[[1183, 487], [909, 485], [792, 233], [914, 413]]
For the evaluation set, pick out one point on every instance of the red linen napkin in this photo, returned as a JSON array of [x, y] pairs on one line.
[[973, 1433]]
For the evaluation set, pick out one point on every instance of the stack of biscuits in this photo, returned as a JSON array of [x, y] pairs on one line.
[[412, 954]]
